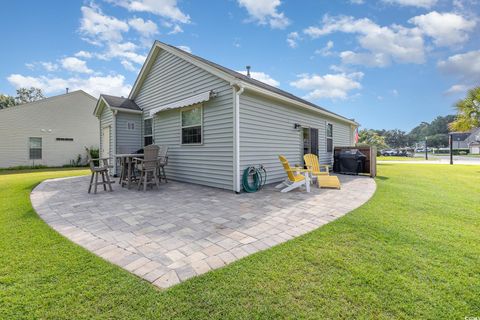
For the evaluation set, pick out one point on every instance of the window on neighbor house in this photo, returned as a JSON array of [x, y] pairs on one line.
[[192, 125], [147, 132], [35, 148], [329, 137], [130, 126]]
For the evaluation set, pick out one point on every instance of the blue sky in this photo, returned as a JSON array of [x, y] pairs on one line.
[[386, 63]]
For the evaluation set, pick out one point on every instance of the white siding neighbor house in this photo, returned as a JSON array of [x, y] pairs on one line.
[[215, 121], [50, 132]]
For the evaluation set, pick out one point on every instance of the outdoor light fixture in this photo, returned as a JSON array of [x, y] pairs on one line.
[[297, 126]]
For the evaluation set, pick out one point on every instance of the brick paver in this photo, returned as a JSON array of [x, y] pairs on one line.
[[184, 230]]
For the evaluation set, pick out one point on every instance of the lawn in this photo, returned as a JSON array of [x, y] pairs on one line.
[[413, 251], [395, 158]]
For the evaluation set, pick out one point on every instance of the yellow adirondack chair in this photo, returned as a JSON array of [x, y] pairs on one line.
[[293, 181], [324, 179]]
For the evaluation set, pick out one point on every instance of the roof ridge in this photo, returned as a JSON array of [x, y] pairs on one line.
[[255, 82]]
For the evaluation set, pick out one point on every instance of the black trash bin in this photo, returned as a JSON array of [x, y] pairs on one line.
[[350, 161]]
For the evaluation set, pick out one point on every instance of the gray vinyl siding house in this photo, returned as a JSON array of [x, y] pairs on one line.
[[244, 122]]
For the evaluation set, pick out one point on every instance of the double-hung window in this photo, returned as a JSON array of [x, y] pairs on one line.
[[192, 119], [329, 137], [147, 132], [35, 148]]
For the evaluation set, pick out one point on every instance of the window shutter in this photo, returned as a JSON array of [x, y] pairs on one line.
[[314, 141]]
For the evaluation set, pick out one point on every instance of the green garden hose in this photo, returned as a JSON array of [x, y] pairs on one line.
[[259, 178]]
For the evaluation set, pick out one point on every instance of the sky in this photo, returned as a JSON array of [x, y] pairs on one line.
[[386, 63]]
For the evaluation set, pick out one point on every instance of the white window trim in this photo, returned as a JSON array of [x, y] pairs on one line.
[[143, 131], [199, 105], [327, 137], [41, 157]]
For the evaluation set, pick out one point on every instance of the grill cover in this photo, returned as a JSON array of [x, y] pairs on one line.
[[349, 161]]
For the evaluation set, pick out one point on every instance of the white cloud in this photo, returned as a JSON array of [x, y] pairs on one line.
[[325, 51], [446, 29], [263, 77], [464, 68], [126, 50], [333, 86], [465, 65], [414, 3], [457, 88], [98, 28], [185, 48], [146, 28], [49, 66], [128, 65], [176, 29], [83, 54], [164, 8], [357, 1], [75, 65], [395, 42], [394, 92], [365, 59], [112, 84], [265, 12], [292, 39]]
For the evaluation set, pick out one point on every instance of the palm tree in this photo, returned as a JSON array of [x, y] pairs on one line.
[[468, 112]]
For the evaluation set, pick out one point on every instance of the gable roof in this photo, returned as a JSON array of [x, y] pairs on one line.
[[120, 102], [228, 75], [116, 103], [48, 99]]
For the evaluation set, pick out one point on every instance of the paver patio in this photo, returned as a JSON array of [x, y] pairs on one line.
[[184, 230]]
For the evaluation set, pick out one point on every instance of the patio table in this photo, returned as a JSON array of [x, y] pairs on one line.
[[126, 160]]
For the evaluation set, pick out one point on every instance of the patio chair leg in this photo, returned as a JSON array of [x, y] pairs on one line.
[[155, 177], [140, 180], [108, 181], [96, 183], [164, 175], [104, 183], [145, 178], [91, 182]]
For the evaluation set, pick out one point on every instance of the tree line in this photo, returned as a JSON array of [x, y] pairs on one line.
[[24, 95], [436, 132]]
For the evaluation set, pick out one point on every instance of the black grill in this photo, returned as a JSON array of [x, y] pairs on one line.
[[349, 162]]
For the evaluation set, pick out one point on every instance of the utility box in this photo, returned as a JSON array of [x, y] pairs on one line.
[[369, 166]]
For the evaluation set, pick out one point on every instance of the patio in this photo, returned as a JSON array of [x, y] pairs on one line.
[[184, 230]]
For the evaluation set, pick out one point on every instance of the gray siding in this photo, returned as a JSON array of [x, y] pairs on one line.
[[172, 79], [128, 141], [267, 130], [106, 119]]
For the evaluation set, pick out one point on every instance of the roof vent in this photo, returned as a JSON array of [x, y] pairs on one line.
[[248, 71]]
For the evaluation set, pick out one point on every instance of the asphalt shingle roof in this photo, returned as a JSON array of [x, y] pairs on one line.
[[255, 82], [120, 102]]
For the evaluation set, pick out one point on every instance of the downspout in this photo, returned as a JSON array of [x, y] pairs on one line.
[[114, 138], [236, 137]]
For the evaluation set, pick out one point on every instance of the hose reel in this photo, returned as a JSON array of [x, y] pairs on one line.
[[258, 178]]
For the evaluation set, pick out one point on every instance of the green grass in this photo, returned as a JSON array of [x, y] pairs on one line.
[[413, 251], [395, 158]]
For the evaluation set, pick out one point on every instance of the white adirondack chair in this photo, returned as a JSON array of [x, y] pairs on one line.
[[293, 181]]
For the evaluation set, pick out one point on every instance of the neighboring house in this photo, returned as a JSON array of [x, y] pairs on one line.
[[50, 132], [215, 121], [467, 140]]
